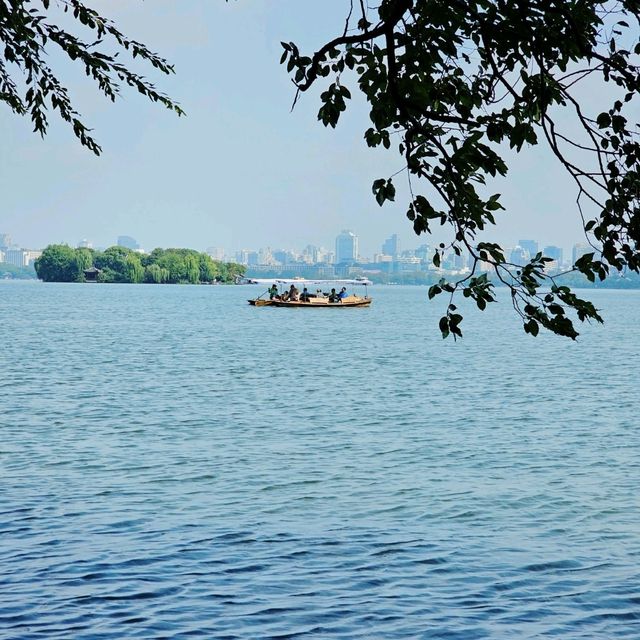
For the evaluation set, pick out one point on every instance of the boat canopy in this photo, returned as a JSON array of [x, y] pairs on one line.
[[304, 281]]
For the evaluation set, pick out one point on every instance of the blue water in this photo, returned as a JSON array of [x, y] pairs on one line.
[[175, 463]]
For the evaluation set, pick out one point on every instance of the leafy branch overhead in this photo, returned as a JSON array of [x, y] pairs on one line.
[[453, 83], [27, 27]]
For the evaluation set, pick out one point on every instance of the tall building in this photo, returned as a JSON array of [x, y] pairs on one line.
[[323, 256], [283, 256], [5, 240], [128, 242], [85, 244], [310, 254], [530, 246], [391, 246], [346, 247], [554, 253], [519, 255], [247, 257]]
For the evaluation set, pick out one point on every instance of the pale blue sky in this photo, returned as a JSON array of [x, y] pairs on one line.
[[240, 170]]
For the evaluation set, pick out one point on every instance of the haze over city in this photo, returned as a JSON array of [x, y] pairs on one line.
[[240, 170], [343, 257]]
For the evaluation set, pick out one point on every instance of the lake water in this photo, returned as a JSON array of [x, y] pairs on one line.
[[177, 464]]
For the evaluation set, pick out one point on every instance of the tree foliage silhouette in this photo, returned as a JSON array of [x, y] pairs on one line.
[[451, 84], [29, 86]]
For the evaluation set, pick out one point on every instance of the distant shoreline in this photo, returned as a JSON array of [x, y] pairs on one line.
[[574, 280], [599, 286]]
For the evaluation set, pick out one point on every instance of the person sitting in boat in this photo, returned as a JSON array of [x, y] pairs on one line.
[[294, 294], [343, 294], [304, 296], [273, 292], [333, 296]]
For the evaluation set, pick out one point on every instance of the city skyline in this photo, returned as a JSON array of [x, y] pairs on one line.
[[371, 247], [346, 251], [237, 171]]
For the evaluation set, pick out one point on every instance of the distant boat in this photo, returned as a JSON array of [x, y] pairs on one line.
[[312, 300]]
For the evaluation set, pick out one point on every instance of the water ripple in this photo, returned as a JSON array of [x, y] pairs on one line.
[[176, 464]]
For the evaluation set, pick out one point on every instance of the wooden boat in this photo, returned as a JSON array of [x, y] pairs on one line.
[[314, 300], [349, 301]]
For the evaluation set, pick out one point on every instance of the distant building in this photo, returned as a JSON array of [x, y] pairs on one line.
[[21, 257], [216, 253], [323, 256], [346, 247], [555, 253], [266, 257], [423, 252], [519, 255], [128, 242], [530, 246], [5, 240], [408, 263], [391, 246], [31, 256], [455, 262], [283, 257], [309, 254], [247, 257], [85, 244]]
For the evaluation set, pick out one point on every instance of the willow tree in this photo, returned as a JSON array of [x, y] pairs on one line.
[[452, 84], [29, 29]]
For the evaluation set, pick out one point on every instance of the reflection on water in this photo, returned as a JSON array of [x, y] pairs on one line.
[[175, 463]]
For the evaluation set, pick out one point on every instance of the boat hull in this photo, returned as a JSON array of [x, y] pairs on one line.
[[317, 303], [257, 302]]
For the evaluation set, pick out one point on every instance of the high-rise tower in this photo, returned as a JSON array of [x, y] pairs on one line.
[[346, 247]]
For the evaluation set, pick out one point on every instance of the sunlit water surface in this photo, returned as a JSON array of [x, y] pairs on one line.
[[176, 464]]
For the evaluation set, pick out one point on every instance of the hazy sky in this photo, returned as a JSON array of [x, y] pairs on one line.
[[240, 170]]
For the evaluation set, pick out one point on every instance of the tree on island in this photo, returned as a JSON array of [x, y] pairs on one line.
[[451, 84], [118, 264], [61, 263]]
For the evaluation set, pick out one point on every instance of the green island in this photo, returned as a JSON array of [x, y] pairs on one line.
[[62, 263]]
